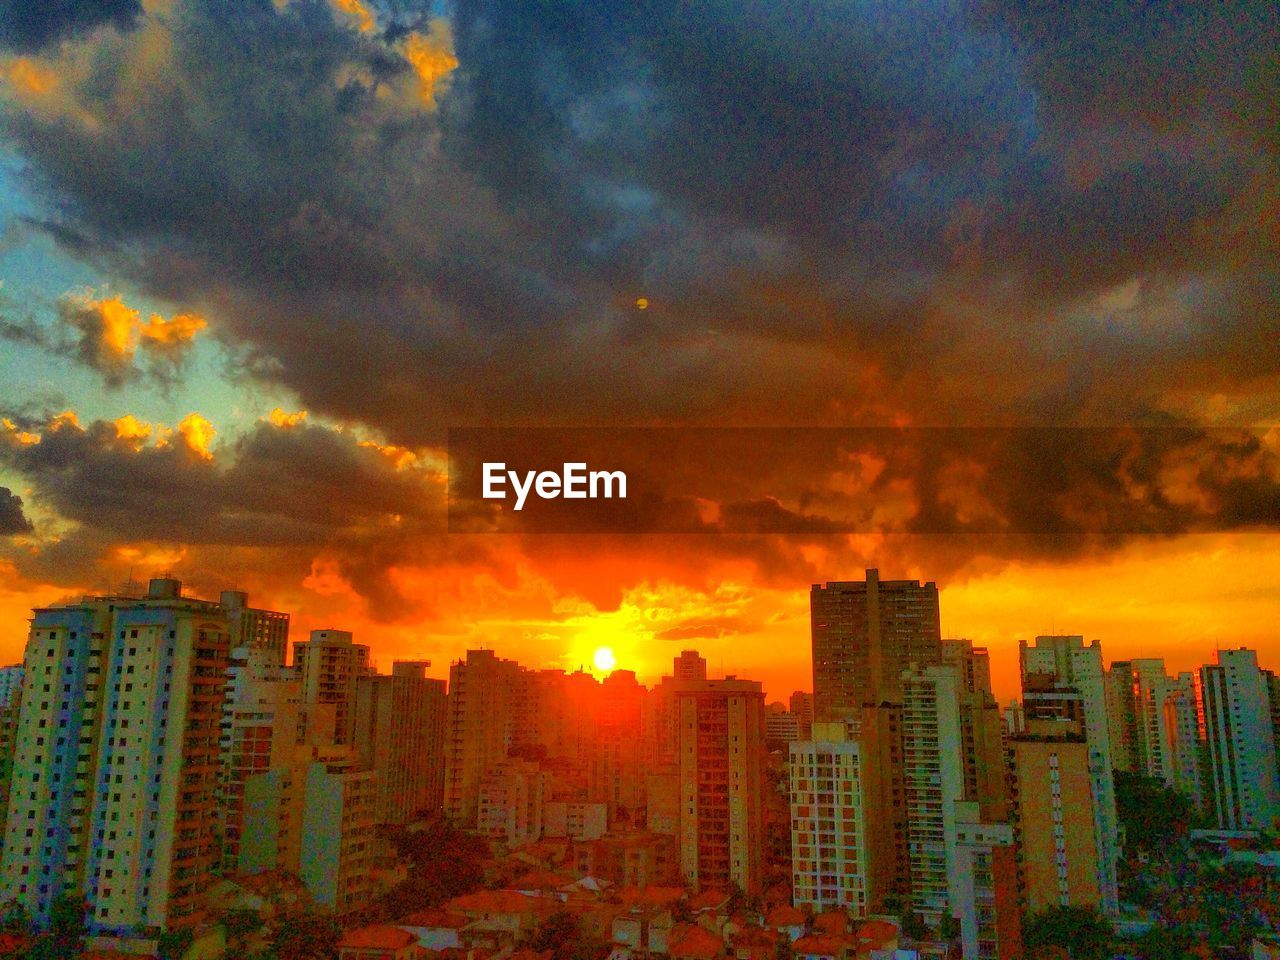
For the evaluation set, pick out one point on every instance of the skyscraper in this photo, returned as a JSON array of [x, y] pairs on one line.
[[116, 761], [329, 664], [865, 633], [399, 734], [1062, 676], [1242, 752], [721, 762]]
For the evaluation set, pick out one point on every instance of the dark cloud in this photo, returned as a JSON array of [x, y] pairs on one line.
[[834, 210], [12, 519], [31, 24]]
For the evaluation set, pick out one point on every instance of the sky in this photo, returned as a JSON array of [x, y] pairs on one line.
[[257, 257]]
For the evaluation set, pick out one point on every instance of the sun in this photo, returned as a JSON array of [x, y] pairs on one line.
[[604, 659]]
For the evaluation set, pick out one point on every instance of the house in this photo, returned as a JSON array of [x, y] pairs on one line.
[[380, 942]]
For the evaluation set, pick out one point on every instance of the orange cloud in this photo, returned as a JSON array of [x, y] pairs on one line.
[[358, 13], [198, 434], [279, 418], [133, 431], [173, 333], [432, 58]]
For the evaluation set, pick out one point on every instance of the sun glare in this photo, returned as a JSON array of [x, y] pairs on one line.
[[604, 659]]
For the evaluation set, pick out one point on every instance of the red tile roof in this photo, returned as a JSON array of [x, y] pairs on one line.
[[688, 940], [650, 896], [880, 931], [785, 916], [381, 937], [822, 945]]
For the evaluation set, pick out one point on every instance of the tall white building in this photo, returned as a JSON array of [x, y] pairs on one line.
[[829, 856], [1074, 668], [1242, 750], [933, 777], [116, 759]]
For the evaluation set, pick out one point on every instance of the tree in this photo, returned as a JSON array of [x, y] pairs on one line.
[[913, 925], [948, 928], [1080, 931], [306, 937], [1164, 943], [173, 944], [64, 939], [1153, 815], [559, 934]]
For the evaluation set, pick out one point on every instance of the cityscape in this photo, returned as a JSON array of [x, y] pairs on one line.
[[182, 778]]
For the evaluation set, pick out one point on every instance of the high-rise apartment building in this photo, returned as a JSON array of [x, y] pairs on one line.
[[721, 763], [399, 734], [10, 684], [1053, 815], [801, 705], [984, 886], [690, 665], [974, 664], [1186, 749], [116, 759], [933, 777], [260, 730], [329, 664], [1242, 750], [830, 866], [511, 801], [337, 848], [865, 634], [888, 854], [484, 699], [1062, 673], [252, 627], [1137, 691]]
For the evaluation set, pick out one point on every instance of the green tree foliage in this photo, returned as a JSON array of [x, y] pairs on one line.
[[174, 944], [1152, 814], [1082, 932], [563, 937], [64, 940], [913, 925]]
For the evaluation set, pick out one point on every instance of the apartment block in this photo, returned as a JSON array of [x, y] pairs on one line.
[[399, 734], [1053, 815], [721, 762], [511, 799], [1240, 735], [260, 730], [484, 695], [830, 860], [116, 759], [252, 627], [865, 634], [1064, 676], [329, 664], [984, 886], [933, 781]]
